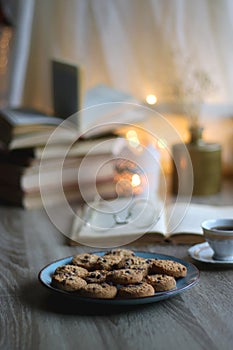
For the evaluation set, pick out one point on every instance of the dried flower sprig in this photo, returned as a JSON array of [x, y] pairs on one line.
[[191, 85]]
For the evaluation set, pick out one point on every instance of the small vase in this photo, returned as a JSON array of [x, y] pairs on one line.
[[206, 162]]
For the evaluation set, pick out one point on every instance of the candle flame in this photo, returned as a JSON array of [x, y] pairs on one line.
[[136, 181]]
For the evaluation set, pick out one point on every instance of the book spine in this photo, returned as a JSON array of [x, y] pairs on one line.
[[11, 174], [6, 130]]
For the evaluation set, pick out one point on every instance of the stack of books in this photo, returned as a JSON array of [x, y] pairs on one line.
[[84, 162]]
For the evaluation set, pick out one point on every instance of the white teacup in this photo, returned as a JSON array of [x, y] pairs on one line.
[[219, 234]]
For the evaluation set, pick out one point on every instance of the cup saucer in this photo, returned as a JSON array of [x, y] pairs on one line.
[[202, 252]]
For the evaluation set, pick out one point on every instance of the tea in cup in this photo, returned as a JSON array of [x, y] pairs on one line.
[[219, 234]]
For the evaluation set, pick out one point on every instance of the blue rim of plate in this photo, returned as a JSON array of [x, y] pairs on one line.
[[182, 284]]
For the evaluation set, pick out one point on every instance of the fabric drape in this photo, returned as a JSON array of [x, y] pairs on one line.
[[137, 46]]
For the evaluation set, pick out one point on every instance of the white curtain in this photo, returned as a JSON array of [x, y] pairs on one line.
[[137, 46]]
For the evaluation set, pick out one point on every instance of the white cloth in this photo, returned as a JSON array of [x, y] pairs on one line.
[[139, 47], [136, 46]]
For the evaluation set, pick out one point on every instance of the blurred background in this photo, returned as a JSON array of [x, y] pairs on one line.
[[178, 51]]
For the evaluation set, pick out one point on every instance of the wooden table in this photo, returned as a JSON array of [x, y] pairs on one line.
[[32, 318]]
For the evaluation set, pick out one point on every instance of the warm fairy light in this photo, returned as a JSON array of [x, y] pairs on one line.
[[151, 99], [162, 143], [132, 137], [136, 181], [4, 49], [134, 143], [131, 134]]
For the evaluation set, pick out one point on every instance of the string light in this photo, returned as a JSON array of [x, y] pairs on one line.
[[132, 137], [136, 181], [151, 99], [162, 143], [4, 49]]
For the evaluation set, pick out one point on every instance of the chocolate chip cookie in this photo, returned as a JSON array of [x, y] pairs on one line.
[[134, 263], [139, 290], [85, 260], [168, 267], [99, 291], [98, 276], [71, 270], [124, 253], [125, 276], [161, 283], [107, 262], [69, 284]]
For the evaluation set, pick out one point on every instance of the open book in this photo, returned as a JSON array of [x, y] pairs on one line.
[[176, 223]]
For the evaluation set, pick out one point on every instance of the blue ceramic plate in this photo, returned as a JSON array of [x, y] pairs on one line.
[[45, 277]]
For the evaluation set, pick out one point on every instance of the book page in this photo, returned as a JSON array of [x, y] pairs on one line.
[[118, 224], [194, 216], [24, 117], [86, 227]]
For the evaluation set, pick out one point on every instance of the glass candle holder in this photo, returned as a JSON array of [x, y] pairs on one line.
[[130, 180]]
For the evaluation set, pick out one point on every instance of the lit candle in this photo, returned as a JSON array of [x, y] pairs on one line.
[[137, 170], [129, 179]]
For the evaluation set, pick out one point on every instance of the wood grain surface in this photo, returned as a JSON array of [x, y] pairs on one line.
[[32, 318]]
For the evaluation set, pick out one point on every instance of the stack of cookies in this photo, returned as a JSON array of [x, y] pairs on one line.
[[119, 273]]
